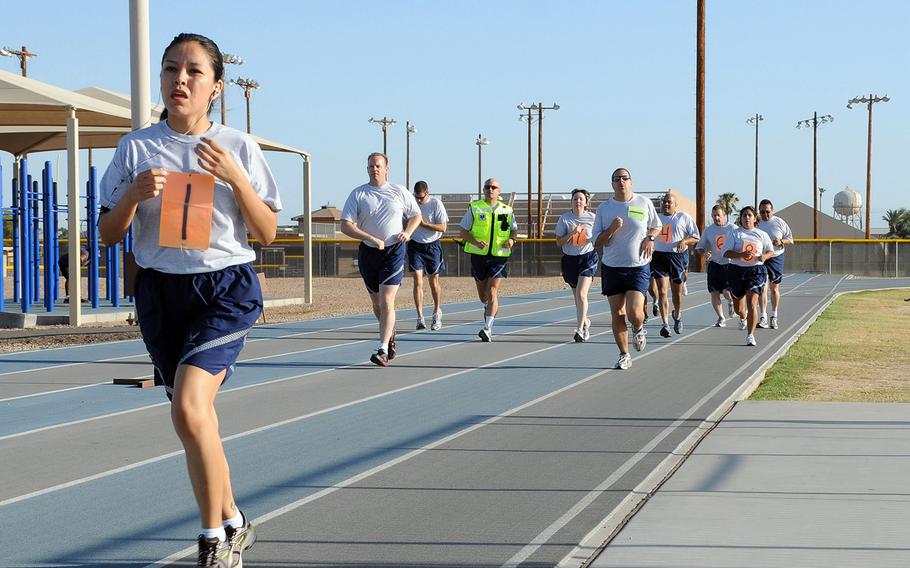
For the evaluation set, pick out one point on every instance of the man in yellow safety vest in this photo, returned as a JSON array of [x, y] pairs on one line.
[[487, 228]]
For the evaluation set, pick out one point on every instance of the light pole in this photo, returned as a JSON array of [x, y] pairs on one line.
[[814, 122], [386, 123], [872, 99], [409, 128], [247, 85], [754, 120], [481, 142], [529, 118], [539, 108], [23, 54], [228, 59], [821, 192]]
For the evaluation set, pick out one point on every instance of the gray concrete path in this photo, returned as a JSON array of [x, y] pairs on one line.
[[782, 484]]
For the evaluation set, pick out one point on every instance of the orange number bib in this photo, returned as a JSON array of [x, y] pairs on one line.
[[719, 242], [666, 233], [749, 248], [186, 211], [580, 237]]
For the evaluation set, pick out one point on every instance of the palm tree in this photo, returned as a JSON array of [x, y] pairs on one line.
[[898, 223], [728, 201]]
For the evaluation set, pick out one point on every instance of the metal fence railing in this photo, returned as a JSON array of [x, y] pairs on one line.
[[541, 257]]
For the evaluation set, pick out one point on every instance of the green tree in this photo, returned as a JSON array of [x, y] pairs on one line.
[[729, 202], [898, 223]]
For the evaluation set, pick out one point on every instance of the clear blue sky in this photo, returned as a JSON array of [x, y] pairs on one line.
[[623, 74]]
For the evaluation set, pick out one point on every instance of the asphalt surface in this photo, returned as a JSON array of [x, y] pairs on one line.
[[459, 454]]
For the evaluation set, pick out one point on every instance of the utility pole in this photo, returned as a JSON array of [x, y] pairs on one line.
[[755, 120], [228, 59], [410, 129], [814, 122], [700, 125], [23, 54], [481, 142], [386, 123], [247, 85], [872, 99]]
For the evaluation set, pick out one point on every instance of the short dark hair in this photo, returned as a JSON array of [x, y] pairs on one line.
[[748, 208], [764, 202], [719, 207], [584, 191], [421, 187], [623, 169]]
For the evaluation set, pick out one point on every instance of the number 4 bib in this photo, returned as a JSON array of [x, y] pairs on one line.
[[186, 211]]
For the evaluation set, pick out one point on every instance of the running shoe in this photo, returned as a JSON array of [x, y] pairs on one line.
[[421, 324], [773, 322], [380, 358], [742, 324], [665, 330], [485, 335], [647, 317], [437, 321], [677, 325], [240, 539], [721, 322], [578, 337], [624, 362], [393, 346], [763, 322], [730, 311], [214, 552], [750, 340], [685, 289], [654, 309], [640, 339], [586, 330]]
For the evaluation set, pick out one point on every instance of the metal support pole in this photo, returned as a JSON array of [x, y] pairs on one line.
[[25, 246], [540, 170], [141, 105], [869, 174], [530, 199], [50, 245], [72, 193], [2, 248], [757, 120], [815, 175], [307, 231], [830, 255]]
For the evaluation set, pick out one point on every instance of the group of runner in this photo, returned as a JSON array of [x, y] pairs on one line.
[[194, 190]]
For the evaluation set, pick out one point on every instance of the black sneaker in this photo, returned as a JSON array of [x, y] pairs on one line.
[[240, 539], [664, 331], [380, 358], [393, 347], [214, 552], [485, 335], [654, 309], [421, 324], [578, 337], [677, 325]]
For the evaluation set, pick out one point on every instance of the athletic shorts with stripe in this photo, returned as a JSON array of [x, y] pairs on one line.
[[621, 279], [575, 266], [744, 279], [775, 268], [196, 319], [489, 266], [381, 267], [717, 277], [672, 264], [426, 257]]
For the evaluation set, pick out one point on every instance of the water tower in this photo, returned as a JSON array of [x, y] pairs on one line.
[[847, 207]]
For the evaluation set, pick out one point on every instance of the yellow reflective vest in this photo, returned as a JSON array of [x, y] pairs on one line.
[[493, 225]]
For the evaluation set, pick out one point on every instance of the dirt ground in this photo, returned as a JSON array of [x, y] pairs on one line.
[[331, 297]]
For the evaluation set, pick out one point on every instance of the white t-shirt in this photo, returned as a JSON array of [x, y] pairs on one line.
[[623, 248], [567, 223], [676, 227], [777, 229], [739, 239], [160, 147], [380, 211], [433, 212], [713, 239]]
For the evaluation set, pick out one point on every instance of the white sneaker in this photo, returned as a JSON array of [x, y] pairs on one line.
[[742, 324], [421, 324], [685, 289], [624, 362], [763, 321], [437, 321], [586, 330], [750, 340], [721, 322], [640, 339], [773, 322], [485, 335]]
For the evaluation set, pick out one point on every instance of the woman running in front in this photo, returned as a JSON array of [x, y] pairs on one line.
[[747, 248], [194, 188], [579, 260]]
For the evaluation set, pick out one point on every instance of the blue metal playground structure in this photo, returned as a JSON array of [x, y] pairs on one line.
[[37, 244]]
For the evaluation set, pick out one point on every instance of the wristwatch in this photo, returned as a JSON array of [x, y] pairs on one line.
[[652, 238]]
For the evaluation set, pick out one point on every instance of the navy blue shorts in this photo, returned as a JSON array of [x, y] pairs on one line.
[[775, 267], [196, 319], [745, 279], [717, 277], [672, 264], [489, 266], [381, 267], [576, 266], [426, 257], [619, 280]]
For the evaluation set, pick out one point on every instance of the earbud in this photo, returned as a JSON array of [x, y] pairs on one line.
[[215, 93]]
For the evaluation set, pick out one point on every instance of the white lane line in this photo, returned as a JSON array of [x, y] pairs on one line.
[[544, 536], [283, 354]]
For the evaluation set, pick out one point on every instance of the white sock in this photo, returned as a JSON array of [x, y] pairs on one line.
[[384, 347], [234, 522], [488, 322], [216, 532], [773, 313]]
